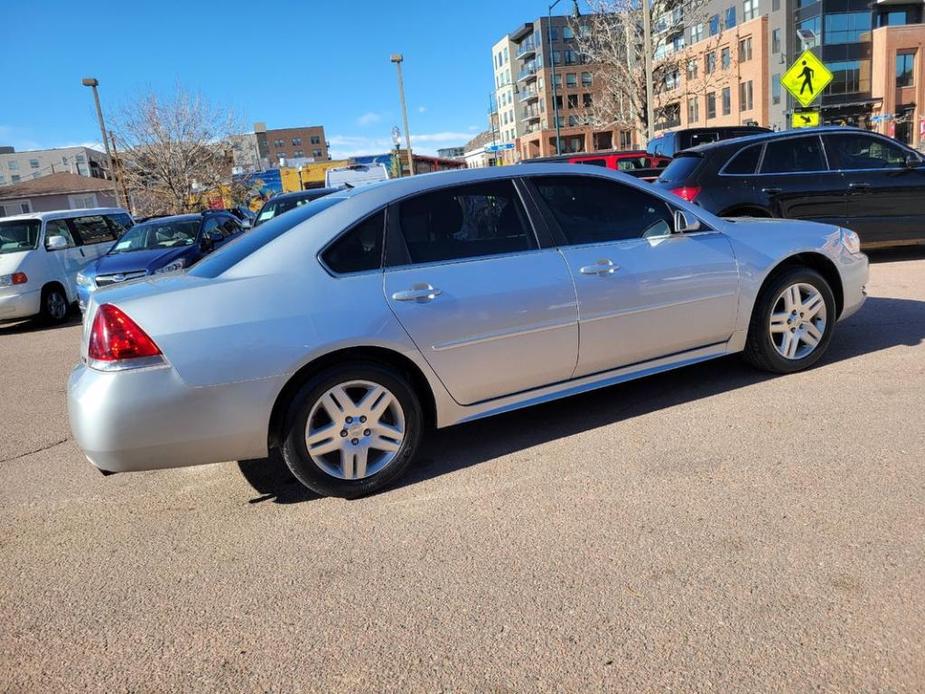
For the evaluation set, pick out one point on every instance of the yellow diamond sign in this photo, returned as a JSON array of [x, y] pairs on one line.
[[805, 119], [806, 78]]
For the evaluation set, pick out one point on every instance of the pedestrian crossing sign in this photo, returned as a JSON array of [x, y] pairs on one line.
[[806, 78], [805, 119]]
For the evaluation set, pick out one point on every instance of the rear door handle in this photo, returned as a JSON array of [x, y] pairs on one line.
[[859, 185], [601, 267], [420, 293], [771, 191]]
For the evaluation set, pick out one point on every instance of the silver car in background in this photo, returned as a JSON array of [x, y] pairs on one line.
[[339, 331]]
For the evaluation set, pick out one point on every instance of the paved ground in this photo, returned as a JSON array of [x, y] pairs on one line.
[[707, 529]]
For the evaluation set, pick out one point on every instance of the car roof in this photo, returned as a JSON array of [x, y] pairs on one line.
[[586, 155], [177, 218], [308, 193], [779, 134], [66, 214]]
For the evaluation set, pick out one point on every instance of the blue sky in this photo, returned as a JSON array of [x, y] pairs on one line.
[[284, 62]]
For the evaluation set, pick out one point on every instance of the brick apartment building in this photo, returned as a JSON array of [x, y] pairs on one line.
[[291, 145]]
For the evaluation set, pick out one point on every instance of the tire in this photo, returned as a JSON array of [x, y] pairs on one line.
[[55, 306], [785, 346], [346, 458]]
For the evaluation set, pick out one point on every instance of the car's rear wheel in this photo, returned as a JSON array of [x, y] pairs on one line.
[[351, 430], [792, 322], [54, 304]]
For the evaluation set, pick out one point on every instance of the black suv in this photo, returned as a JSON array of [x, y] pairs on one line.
[[668, 144], [866, 182]]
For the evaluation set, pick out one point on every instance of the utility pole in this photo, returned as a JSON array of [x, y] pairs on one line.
[[93, 83], [647, 57], [397, 58], [491, 121], [117, 163]]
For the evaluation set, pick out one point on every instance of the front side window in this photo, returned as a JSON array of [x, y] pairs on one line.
[[465, 222], [58, 227], [853, 152], [596, 210], [93, 229], [796, 155], [21, 235], [358, 250]]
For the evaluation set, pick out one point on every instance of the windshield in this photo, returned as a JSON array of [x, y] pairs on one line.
[[21, 235], [274, 208], [157, 235]]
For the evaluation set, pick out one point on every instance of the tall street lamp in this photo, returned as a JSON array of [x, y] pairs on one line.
[[93, 83], [552, 67], [397, 58]]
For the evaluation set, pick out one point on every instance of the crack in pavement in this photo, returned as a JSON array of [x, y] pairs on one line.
[[37, 450]]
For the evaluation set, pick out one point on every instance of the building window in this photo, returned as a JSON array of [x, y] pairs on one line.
[[811, 26], [745, 49], [725, 58], [316, 140], [714, 25], [573, 101], [33, 163], [587, 100], [557, 80], [711, 105], [775, 88], [296, 141], [775, 5], [730, 17], [571, 80], [846, 27], [15, 178], [298, 154], [697, 33], [727, 101], [567, 33], [847, 78], [279, 143], [693, 109], [746, 96], [626, 139], [691, 69], [572, 121], [905, 69], [2, 179], [13, 165], [749, 10], [316, 153], [893, 18], [80, 158], [709, 63], [586, 79], [775, 41], [571, 57]]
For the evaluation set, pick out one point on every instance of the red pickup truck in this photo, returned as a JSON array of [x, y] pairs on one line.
[[635, 162]]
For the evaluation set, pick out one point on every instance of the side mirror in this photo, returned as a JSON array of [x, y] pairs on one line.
[[684, 224], [912, 161], [215, 236], [56, 243]]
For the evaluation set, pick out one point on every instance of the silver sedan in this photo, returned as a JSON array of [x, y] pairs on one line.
[[338, 332]]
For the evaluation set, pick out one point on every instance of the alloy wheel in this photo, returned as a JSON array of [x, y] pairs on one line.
[[355, 430], [798, 321]]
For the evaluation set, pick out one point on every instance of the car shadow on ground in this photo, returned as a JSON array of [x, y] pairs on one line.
[[881, 324], [34, 325]]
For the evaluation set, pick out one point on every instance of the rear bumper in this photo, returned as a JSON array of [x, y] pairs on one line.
[[23, 305], [148, 419]]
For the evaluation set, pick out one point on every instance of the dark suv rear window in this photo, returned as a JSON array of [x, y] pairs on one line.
[[745, 161], [680, 169]]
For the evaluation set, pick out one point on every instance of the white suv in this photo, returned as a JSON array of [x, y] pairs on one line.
[[42, 252]]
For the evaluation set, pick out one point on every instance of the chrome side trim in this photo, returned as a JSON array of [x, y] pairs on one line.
[[500, 336]]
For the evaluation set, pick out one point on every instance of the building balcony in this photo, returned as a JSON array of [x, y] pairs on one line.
[[527, 95], [526, 50], [531, 114], [528, 73]]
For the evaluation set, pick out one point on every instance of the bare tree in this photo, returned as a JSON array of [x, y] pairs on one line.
[[176, 153], [611, 38]]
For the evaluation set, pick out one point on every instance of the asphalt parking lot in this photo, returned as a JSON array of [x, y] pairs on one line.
[[709, 529]]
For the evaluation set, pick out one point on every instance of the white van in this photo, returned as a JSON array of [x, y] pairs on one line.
[[42, 252], [355, 175]]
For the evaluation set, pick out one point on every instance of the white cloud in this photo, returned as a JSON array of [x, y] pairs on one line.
[[368, 119], [346, 146], [422, 109]]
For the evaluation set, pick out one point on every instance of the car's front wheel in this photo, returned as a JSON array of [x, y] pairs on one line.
[[351, 430], [54, 305], [792, 322]]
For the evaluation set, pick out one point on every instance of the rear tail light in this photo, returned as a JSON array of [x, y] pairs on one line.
[[114, 337], [688, 193]]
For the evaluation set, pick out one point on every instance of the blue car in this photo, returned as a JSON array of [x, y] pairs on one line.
[[161, 244]]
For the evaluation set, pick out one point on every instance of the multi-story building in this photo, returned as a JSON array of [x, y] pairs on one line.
[[292, 146], [31, 164], [451, 152], [548, 73], [510, 121], [898, 74], [720, 80]]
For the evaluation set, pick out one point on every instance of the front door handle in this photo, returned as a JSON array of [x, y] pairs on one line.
[[771, 191], [601, 267], [420, 293], [859, 185]]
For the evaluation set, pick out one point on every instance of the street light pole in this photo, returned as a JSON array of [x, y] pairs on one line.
[[647, 64], [552, 69], [93, 83], [397, 58]]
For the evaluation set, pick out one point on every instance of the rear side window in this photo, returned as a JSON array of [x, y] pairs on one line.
[[119, 223], [597, 210], [745, 162], [360, 249], [465, 222], [680, 169], [793, 155], [93, 229]]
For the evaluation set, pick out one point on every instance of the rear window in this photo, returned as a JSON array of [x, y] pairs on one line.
[[233, 253], [680, 169], [592, 162], [745, 162]]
